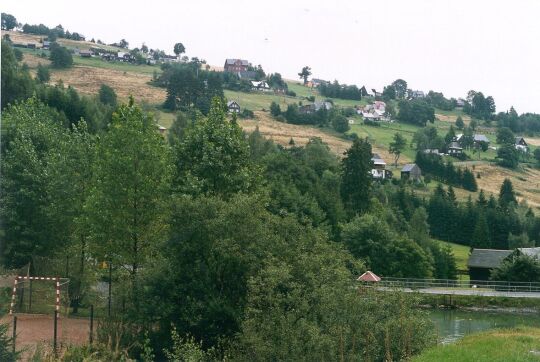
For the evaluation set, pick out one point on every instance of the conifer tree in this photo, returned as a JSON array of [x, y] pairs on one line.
[[356, 180]]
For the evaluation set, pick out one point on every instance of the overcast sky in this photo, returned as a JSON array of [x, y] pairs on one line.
[[447, 46]]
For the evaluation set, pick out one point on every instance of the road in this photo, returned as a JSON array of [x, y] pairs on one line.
[[472, 291]]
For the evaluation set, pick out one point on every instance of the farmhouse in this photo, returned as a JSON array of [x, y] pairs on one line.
[[412, 172], [317, 82], [482, 261], [46, 44], [379, 171], [455, 149], [477, 139], [85, 53], [236, 65], [415, 94], [260, 86], [521, 145], [460, 103], [233, 107]]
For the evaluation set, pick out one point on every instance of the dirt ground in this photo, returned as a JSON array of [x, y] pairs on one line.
[[281, 133], [34, 329], [88, 80]]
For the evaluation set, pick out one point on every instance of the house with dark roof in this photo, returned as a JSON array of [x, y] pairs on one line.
[[412, 172], [236, 65], [415, 94], [521, 145], [233, 107], [477, 138], [379, 171], [483, 261], [455, 149]]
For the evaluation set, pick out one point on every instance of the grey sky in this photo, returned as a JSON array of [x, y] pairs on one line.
[[448, 46]]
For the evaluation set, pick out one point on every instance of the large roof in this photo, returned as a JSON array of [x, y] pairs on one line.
[[408, 167], [487, 258], [532, 252], [233, 61]]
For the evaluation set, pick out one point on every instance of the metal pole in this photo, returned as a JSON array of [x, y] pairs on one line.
[[55, 331], [30, 297], [14, 332], [110, 288], [91, 323]]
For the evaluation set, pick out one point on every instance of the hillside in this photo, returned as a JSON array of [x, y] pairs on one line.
[[87, 75]]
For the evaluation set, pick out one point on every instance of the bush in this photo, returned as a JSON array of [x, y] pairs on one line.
[[311, 98], [43, 74], [369, 122], [291, 93], [280, 118], [60, 56], [107, 95], [6, 345], [340, 124], [246, 113]]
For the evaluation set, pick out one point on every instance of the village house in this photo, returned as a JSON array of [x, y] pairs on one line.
[[483, 261], [46, 44], [233, 107], [460, 103], [315, 107], [411, 172], [261, 86], [85, 53], [521, 145], [477, 139], [379, 171], [455, 149], [236, 65], [317, 82], [416, 94]]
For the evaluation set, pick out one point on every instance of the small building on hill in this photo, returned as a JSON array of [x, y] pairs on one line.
[[260, 86], [411, 172], [236, 65], [483, 261], [85, 53], [233, 107], [379, 171], [521, 145], [455, 149]]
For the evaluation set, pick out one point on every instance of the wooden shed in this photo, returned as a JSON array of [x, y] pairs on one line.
[[483, 261], [412, 172]]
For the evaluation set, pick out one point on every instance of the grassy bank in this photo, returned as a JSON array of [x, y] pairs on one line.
[[474, 301], [516, 344]]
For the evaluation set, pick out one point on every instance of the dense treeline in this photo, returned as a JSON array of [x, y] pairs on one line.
[[485, 223], [336, 90], [214, 228], [526, 123], [446, 172], [52, 33], [479, 106]]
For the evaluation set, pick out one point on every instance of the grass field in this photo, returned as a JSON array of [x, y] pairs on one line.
[[500, 345], [461, 254]]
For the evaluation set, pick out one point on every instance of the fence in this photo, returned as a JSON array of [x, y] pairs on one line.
[[500, 286]]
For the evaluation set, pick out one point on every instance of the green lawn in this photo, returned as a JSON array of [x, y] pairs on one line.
[[257, 101], [499, 345], [461, 254]]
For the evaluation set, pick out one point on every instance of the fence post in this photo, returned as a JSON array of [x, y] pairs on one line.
[[55, 332], [110, 286], [14, 332], [30, 296], [91, 323]]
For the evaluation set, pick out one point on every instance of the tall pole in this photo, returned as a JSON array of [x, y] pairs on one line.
[[55, 331], [14, 332], [91, 323], [110, 288]]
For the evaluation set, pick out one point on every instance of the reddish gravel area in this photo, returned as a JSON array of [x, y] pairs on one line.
[[34, 329]]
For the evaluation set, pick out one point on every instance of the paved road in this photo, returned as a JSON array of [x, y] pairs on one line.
[[472, 291]]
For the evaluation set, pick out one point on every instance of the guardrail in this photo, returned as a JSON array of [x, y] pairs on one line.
[[501, 286]]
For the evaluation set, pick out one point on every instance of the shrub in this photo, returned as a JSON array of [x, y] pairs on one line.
[[291, 93], [246, 113], [369, 122], [311, 98], [60, 56]]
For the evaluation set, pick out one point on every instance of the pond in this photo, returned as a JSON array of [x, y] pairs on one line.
[[452, 325]]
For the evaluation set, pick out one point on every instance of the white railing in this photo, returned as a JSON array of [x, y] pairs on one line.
[[501, 286]]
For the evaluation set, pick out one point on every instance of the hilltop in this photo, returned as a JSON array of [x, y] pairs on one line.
[[88, 74]]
